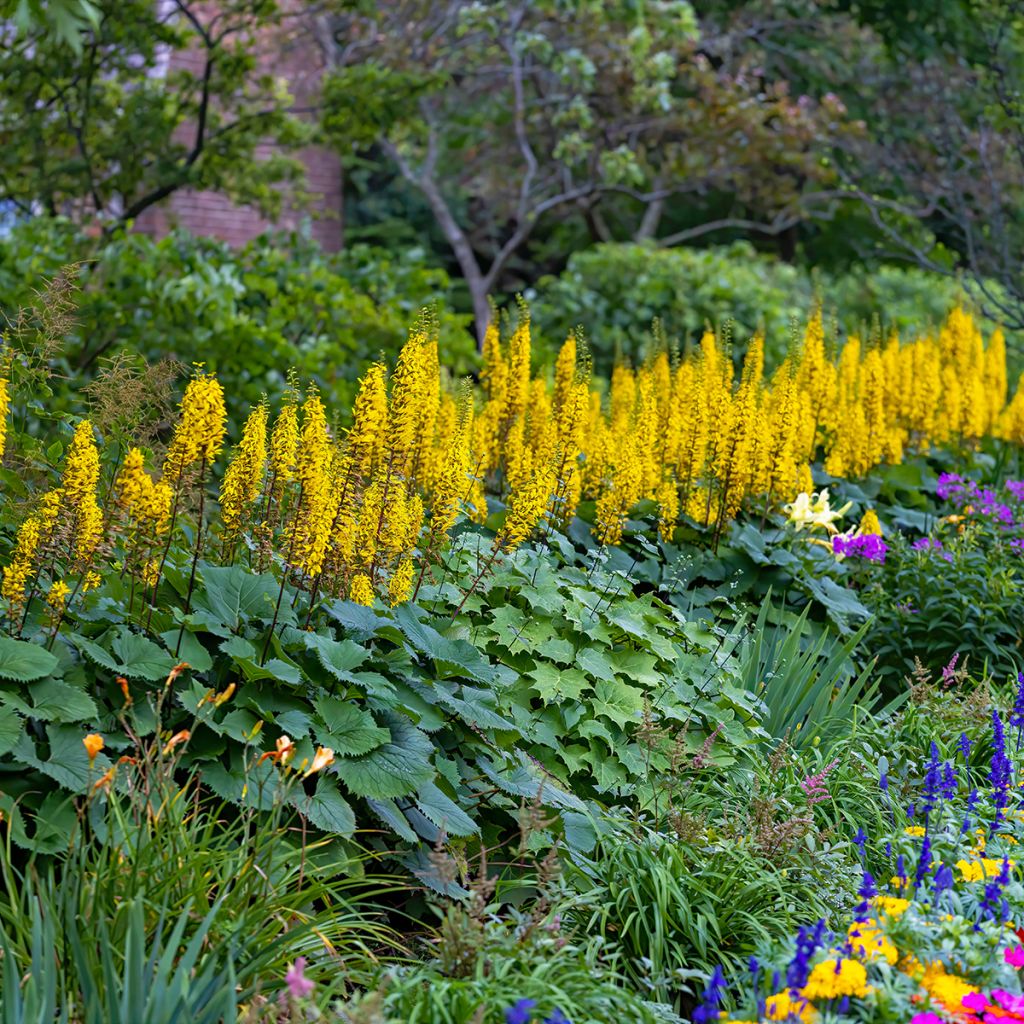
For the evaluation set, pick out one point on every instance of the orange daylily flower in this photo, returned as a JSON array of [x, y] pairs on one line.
[[93, 745]]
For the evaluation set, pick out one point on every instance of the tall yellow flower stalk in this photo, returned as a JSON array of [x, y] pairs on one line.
[[199, 435], [317, 505], [243, 480], [5, 408], [146, 508], [79, 503], [34, 535]]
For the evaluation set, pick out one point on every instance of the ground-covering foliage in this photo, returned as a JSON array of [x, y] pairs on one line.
[[537, 699]]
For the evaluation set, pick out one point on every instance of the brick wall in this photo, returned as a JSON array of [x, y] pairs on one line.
[[298, 55]]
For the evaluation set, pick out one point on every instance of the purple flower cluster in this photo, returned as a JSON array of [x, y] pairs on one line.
[[1001, 769], [707, 1010], [522, 1013], [868, 546], [930, 544]]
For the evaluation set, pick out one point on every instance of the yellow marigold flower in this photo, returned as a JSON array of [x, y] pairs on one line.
[[200, 432], [243, 478], [869, 524], [894, 906], [947, 989], [788, 1006], [833, 979], [5, 406], [979, 870], [869, 942], [400, 584], [93, 745], [57, 595], [361, 590]]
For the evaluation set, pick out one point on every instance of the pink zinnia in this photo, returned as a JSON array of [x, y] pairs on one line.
[[926, 1018], [299, 985], [1014, 956]]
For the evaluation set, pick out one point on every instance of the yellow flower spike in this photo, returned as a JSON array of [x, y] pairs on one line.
[[400, 584], [57, 595], [361, 590], [78, 491], [199, 435], [324, 757], [93, 744], [243, 479], [869, 524], [5, 406]]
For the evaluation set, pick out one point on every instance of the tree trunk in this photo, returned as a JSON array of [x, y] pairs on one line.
[[651, 219]]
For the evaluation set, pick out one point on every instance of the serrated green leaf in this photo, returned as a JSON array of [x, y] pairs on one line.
[[23, 662], [350, 731], [339, 657], [11, 728], [444, 812], [463, 657], [54, 701], [595, 663], [327, 808], [234, 596], [617, 700], [396, 768], [389, 813], [129, 654]]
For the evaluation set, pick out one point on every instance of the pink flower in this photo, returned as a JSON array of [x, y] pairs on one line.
[[814, 785], [1008, 1001], [926, 1018], [1014, 956], [974, 1001], [299, 985]]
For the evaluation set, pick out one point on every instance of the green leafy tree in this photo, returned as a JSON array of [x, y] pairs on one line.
[[507, 114], [153, 97]]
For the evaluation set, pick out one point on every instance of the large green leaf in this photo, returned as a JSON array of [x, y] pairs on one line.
[[444, 812], [327, 808], [399, 767], [127, 654], [339, 657], [11, 727], [234, 595], [23, 662], [350, 731], [458, 655]]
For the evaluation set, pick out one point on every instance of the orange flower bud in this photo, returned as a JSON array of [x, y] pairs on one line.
[[177, 739], [104, 781], [176, 671], [93, 745], [123, 683], [324, 757]]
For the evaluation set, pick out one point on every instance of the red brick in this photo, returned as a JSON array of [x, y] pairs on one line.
[[299, 57]]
